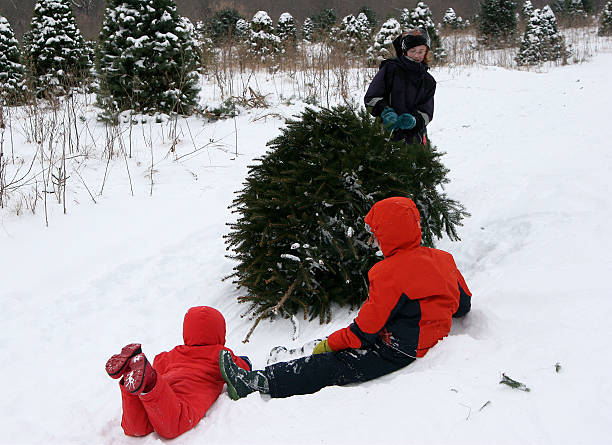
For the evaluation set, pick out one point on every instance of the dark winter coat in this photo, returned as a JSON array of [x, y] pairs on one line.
[[407, 87], [414, 292], [188, 380]]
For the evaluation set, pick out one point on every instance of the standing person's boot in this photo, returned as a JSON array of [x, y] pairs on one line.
[[241, 383], [140, 377], [116, 365]]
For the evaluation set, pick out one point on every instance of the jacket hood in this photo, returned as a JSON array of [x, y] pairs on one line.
[[396, 224], [203, 326], [397, 45]]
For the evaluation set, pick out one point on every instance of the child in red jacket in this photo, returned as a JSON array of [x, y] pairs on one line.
[[415, 291], [173, 395]]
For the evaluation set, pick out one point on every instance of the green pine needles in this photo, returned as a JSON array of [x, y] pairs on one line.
[[54, 48], [12, 71], [146, 58], [300, 239], [605, 21], [497, 23]]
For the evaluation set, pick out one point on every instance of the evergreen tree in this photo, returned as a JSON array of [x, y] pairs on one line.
[[12, 71], [529, 52], [205, 46], [370, 14], [147, 58], [242, 30], [452, 21], [421, 17], [605, 21], [56, 53], [286, 31], [308, 29], [382, 48], [526, 10], [300, 239], [264, 43], [364, 27], [324, 22], [497, 23], [574, 12], [354, 33], [222, 25], [553, 43], [541, 41]]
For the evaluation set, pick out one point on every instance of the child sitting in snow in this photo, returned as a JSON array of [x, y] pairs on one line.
[[173, 395], [414, 293]]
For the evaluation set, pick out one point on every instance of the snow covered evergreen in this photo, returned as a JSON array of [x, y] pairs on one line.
[[542, 41], [147, 58], [354, 33], [12, 71], [605, 20], [286, 31], [497, 24], [526, 10], [264, 44], [382, 48], [56, 53], [573, 11], [308, 28], [452, 21], [243, 30], [421, 17], [324, 23], [335, 158], [221, 26]]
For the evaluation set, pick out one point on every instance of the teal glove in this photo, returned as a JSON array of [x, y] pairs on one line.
[[405, 121], [321, 347], [389, 118]]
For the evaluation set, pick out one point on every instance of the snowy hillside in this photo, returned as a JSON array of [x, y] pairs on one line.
[[530, 158]]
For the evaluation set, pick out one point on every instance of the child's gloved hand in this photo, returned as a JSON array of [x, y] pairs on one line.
[[389, 118], [405, 121], [321, 347]]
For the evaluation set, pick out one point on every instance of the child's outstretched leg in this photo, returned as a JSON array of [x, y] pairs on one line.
[[159, 409], [240, 382], [134, 419]]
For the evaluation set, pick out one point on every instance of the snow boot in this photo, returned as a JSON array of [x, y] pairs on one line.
[[140, 377], [116, 365], [241, 383]]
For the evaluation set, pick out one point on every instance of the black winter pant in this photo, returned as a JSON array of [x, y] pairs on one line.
[[309, 374]]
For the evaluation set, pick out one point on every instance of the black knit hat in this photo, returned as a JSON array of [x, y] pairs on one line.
[[415, 37]]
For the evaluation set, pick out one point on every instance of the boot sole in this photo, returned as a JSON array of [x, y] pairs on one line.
[[116, 364], [141, 376], [230, 388]]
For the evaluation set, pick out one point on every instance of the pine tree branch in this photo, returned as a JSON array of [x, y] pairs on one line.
[[274, 309]]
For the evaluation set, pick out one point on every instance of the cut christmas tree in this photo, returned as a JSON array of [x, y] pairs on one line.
[[300, 240]]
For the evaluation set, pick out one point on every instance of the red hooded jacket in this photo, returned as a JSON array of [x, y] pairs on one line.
[[414, 292], [188, 378]]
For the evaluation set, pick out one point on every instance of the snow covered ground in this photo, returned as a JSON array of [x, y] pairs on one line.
[[530, 157]]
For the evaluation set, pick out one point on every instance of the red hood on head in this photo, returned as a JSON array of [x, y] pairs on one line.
[[202, 326], [396, 223]]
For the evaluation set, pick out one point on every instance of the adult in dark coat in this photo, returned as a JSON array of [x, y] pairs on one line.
[[415, 291], [402, 92]]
